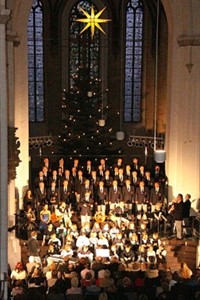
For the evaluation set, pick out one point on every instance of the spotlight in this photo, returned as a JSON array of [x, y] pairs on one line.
[[130, 144], [137, 144], [49, 143], [152, 145], [36, 146], [146, 144], [141, 145]]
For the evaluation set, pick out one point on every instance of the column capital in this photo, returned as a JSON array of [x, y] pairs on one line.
[[11, 36], [188, 40], [5, 15]]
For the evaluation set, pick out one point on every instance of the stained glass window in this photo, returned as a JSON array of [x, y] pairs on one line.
[[133, 61], [84, 50], [35, 63]]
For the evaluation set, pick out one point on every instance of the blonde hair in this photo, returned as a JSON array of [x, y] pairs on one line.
[[103, 296], [185, 271]]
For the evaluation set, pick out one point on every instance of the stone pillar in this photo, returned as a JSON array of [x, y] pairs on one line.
[[183, 124], [14, 250], [21, 112], [4, 16]]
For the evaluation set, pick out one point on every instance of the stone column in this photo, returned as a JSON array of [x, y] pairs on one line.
[[14, 249], [183, 125], [4, 17]]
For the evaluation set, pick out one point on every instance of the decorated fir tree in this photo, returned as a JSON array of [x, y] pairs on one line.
[[86, 128]]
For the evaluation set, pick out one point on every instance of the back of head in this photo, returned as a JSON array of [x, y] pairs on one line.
[[107, 273], [74, 282], [197, 295], [143, 297], [103, 296], [33, 234]]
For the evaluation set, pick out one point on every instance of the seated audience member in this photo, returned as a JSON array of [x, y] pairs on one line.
[[98, 265], [31, 264], [37, 280], [61, 232], [152, 271], [52, 268], [93, 288], [151, 255], [161, 254], [86, 270], [75, 289], [66, 251], [70, 240], [18, 289], [19, 272], [51, 251], [102, 241], [52, 280], [86, 281], [125, 285], [56, 242], [165, 293], [106, 281], [185, 272], [85, 252], [119, 241], [93, 240], [155, 241], [73, 231], [47, 234], [82, 240], [114, 252], [127, 255]]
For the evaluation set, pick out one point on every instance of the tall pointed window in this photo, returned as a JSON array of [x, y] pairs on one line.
[[133, 61], [35, 63], [84, 50]]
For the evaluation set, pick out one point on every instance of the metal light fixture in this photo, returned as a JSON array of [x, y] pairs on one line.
[[138, 141], [40, 141], [159, 155], [120, 135], [102, 121]]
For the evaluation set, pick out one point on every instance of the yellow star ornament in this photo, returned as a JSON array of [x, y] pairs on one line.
[[92, 20]]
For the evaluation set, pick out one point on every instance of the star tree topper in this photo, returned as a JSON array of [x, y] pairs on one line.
[[92, 20]]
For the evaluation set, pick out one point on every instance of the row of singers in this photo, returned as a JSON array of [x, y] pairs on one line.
[[103, 172], [99, 193]]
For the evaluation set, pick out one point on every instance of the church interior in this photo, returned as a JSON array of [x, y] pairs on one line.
[[100, 88]]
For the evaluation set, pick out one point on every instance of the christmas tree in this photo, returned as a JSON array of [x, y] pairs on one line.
[[86, 126]]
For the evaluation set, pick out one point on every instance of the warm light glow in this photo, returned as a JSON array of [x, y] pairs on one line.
[[89, 93], [102, 122], [92, 20]]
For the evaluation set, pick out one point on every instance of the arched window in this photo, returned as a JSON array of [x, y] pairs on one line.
[[35, 63], [84, 51], [133, 61]]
